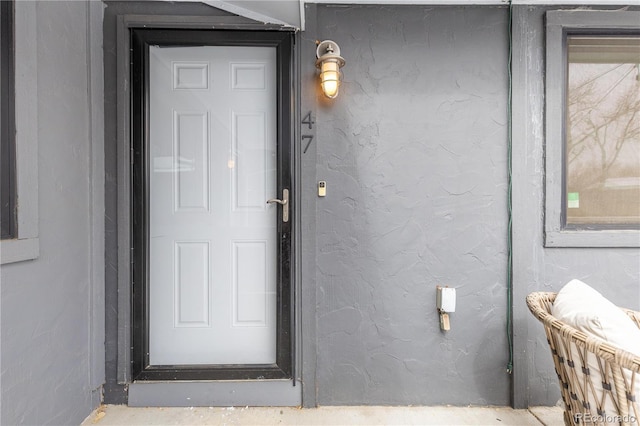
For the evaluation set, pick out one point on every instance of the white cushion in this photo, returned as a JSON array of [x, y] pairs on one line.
[[582, 307]]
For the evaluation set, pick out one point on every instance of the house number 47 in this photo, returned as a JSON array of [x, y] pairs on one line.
[[308, 121]]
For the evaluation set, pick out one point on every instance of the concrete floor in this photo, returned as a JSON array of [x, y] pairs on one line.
[[122, 415]]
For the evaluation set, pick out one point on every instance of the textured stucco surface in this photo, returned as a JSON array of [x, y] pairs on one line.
[[414, 154], [47, 306], [615, 272]]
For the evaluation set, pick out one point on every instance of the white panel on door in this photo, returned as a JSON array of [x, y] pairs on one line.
[[249, 284], [248, 76], [212, 237], [191, 284], [191, 152], [249, 138], [190, 75]]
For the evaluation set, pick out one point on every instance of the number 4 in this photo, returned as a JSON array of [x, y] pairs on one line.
[[308, 120]]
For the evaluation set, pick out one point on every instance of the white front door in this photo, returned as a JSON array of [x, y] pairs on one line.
[[212, 237]]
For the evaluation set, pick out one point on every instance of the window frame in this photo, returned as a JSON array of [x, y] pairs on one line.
[[25, 245], [7, 123], [559, 23]]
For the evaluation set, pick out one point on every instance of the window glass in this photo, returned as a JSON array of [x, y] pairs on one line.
[[602, 158]]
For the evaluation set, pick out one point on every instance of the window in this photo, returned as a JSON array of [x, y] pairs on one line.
[[19, 130], [593, 129], [602, 135], [7, 133]]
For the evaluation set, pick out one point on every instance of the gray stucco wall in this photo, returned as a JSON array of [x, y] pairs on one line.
[[414, 152], [52, 354], [615, 272]]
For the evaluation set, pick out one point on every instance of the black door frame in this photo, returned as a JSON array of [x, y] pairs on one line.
[[140, 41]]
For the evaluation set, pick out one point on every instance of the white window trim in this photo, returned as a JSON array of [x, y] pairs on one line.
[[558, 21], [26, 246]]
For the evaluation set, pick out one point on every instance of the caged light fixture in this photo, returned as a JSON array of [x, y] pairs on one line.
[[329, 61]]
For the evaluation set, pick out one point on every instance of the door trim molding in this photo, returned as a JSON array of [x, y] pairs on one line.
[[125, 23], [141, 40]]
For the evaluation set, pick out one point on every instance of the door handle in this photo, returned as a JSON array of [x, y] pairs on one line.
[[284, 203]]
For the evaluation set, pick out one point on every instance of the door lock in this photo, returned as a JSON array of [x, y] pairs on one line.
[[284, 203]]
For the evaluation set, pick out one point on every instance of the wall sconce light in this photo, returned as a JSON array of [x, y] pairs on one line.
[[329, 61]]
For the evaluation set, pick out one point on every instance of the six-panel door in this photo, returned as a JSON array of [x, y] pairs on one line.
[[212, 236]]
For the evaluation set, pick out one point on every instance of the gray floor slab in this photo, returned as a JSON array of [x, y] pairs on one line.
[[123, 415], [548, 415]]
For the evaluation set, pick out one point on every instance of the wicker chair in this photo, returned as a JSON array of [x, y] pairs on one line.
[[573, 351]]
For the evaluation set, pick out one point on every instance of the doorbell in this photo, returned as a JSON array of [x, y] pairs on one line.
[[322, 188]]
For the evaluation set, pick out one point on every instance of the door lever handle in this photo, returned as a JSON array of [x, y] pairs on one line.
[[276, 200], [284, 203]]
